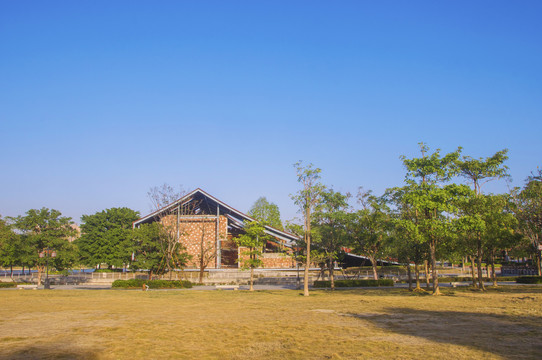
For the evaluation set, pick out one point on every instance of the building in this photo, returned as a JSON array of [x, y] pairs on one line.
[[207, 228]]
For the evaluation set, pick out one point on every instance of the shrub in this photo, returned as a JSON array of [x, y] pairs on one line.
[[529, 280], [354, 283], [152, 284], [7, 285]]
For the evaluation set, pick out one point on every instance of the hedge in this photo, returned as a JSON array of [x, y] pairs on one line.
[[354, 283], [529, 280], [152, 284], [8, 284]]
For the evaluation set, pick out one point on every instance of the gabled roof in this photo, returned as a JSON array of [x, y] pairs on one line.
[[236, 217]]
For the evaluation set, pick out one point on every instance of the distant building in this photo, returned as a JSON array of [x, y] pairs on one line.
[[201, 220]]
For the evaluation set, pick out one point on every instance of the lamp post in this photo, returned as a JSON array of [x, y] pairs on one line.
[[47, 253]]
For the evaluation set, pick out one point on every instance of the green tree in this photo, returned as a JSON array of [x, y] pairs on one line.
[[408, 246], [10, 247], [528, 209], [478, 172], [501, 228], [46, 229], [146, 248], [266, 212], [431, 200], [106, 237], [329, 223], [307, 198], [253, 239], [369, 229]]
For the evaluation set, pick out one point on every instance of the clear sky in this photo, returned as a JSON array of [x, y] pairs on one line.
[[101, 100]]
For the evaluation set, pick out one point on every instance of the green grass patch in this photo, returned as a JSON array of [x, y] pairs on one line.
[[152, 284], [529, 280], [354, 283]]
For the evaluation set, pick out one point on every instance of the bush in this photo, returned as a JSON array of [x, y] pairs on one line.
[[152, 284], [7, 285], [529, 280], [354, 283]]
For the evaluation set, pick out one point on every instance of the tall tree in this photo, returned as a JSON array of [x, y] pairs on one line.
[[253, 239], [146, 250], [432, 200], [329, 221], [266, 212], [369, 228], [106, 237], [10, 246], [478, 172], [46, 229], [528, 209], [307, 198]]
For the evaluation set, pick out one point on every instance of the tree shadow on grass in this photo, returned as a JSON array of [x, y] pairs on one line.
[[52, 351], [504, 335]]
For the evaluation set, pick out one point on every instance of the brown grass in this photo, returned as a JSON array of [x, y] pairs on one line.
[[347, 324]]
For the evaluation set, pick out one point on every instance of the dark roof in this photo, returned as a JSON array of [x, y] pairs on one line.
[[213, 205]]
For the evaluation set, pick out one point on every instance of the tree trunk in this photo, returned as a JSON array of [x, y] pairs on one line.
[[479, 264], [375, 269], [417, 271], [539, 263], [472, 271], [331, 274], [251, 279], [464, 260], [201, 272], [40, 273], [433, 248], [427, 282], [308, 258], [409, 272], [493, 274]]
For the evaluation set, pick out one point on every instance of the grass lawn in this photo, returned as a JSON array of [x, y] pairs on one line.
[[347, 324]]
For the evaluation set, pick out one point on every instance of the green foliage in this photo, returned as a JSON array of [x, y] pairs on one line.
[[329, 223], [529, 280], [266, 213], [5, 285], [147, 249], [152, 284], [41, 229], [253, 239], [105, 237], [355, 283]]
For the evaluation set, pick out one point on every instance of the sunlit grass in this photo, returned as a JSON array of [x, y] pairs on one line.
[[345, 324]]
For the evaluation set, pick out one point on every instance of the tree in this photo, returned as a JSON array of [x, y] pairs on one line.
[[266, 212], [408, 245], [254, 238], [369, 228], [528, 209], [431, 200], [329, 222], [46, 229], [106, 237], [501, 228], [164, 195], [478, 172], [173, 253], [146, 248], [10, 246], [307, 198]]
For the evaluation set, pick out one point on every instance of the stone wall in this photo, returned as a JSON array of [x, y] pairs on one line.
[[197, 231], [272, 260]]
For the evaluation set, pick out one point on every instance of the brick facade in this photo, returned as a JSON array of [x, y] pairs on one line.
[[195, 230]]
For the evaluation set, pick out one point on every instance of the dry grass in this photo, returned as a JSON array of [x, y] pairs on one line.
[[347, 324]]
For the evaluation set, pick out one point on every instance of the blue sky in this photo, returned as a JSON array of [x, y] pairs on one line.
[[101, 100]]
